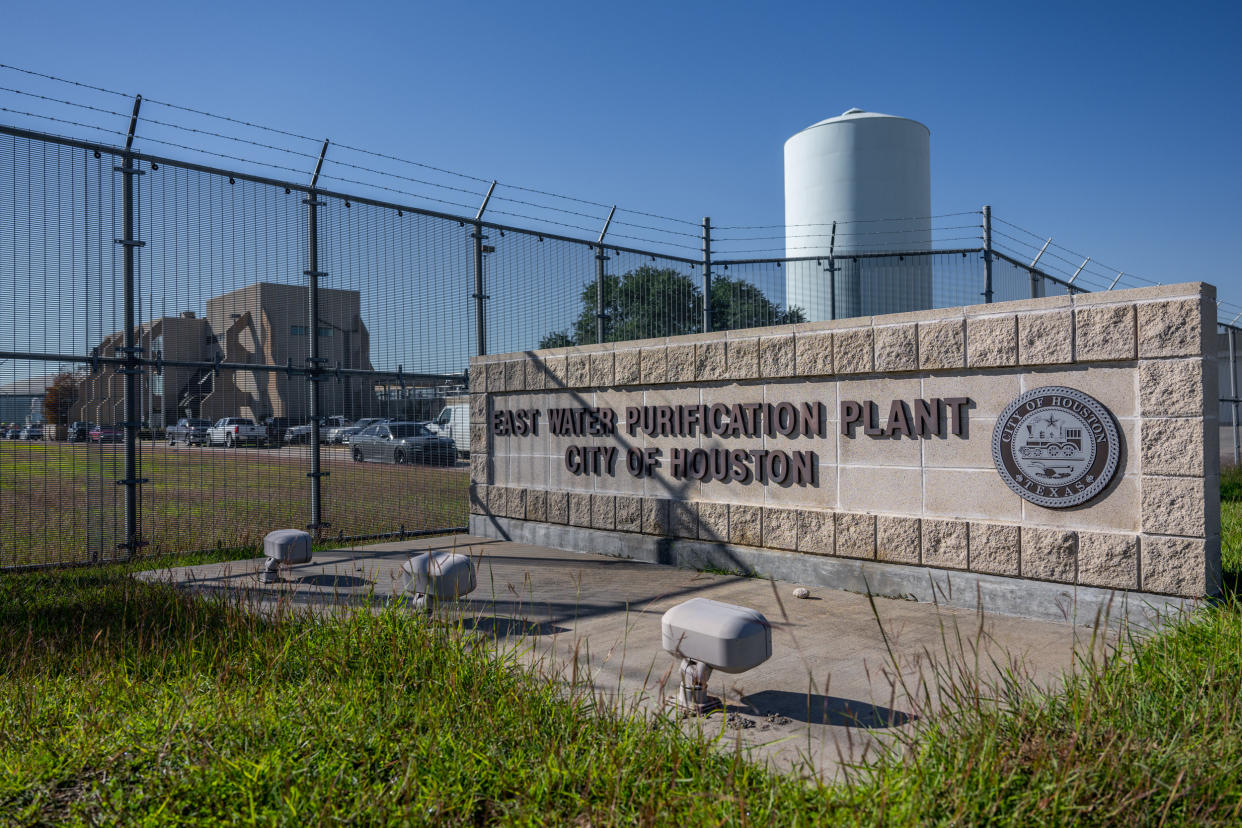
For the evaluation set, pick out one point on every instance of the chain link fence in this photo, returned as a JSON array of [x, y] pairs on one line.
[[194, 356]]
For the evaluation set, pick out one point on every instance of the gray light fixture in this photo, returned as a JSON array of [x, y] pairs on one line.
[[709, 635]]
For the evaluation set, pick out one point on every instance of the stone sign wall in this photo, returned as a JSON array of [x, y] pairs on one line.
[[1069, 441]]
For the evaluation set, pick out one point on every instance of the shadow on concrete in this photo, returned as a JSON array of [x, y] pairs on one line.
[[814, 708], [500, 627], [332, 581]]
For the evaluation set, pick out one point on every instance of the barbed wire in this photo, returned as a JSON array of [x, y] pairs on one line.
[[842, 221]]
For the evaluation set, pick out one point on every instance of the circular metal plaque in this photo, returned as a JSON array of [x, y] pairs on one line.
[[1056, 446]]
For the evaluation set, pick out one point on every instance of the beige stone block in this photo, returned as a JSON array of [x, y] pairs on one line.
[[1174, 291], [579, 371], [515, 375], [558, 372], [1171, 328], [853, 351], [816, 532], [1104, 332], [969, 493], [603, 511], [558, 507], [478, 498], [897, 539], [714, 521], [942, 344], [1174, 506], [1180, 566], [881, 489], [655, 516], [629, 511], [776, 356], [709, 361], [990, 393], [946, 543], [813, 353], [972, 451], [478, 408], [1112, 385], [478, 377], [780, 528], [994, 548], [684, 518], [515, 503], [626, 367], [897, 348], [580, 509], [534, 374], [1116, 510], [537, 505], [1107, 560], [681, 363], [1046, 338], [478, 439], [1172, 388], [746, 525], [653, 365], [742, 358], [603, 371], [1173, 447], [495, 377], [855, 535], [991, 341], [1049, 554]]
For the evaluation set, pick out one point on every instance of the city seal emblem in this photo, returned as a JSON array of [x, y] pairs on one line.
[[1056, 447]]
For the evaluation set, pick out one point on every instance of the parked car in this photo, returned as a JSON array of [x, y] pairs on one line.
[[401, 443], [13, 432], [107, 434], [454, 422], [301, 434], [276, 429], [235, 431], [189, 430], [79, 432], [34, 431]]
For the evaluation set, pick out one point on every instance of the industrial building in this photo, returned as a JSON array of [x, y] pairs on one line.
[[262, 323]]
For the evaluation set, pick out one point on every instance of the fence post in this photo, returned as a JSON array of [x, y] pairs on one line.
[[1233, 390], [600, 316], [131, 348], [707, 274], [314, 369], [480, 318], [987, 253], [832, 272]]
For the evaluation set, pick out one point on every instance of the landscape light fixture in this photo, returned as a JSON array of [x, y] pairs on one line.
[[710, 635], [284, 547], [437, 576]]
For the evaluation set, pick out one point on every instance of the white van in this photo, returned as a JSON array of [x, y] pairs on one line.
[[454, 422]]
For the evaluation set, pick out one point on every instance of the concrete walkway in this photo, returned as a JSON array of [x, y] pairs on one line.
[[845, 672]]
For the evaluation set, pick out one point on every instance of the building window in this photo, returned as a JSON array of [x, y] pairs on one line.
[[325, 331], [297, 330]]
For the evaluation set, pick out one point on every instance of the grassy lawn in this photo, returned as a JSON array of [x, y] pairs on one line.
[[60, 501], [126, 702]]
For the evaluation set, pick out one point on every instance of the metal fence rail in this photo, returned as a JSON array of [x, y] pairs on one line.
[[148, 289]]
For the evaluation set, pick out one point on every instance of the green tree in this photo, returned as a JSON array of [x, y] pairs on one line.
[[652, 302], [60, 398]]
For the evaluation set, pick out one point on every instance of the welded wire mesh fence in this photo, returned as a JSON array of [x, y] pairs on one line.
[[212, 355]]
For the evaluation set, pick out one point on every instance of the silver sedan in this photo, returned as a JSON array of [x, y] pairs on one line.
[[401, 443]]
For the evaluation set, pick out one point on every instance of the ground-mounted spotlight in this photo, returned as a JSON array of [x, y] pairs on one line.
[[709, 635], [284, 547], [437, 576]]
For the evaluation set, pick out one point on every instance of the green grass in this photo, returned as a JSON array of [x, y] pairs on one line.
[[60, 502], [128, 702]]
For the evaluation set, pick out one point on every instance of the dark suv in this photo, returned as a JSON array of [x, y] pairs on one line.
[[79, 432], [189, 430]]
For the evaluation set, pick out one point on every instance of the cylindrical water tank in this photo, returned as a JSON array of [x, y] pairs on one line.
[[871, 174]]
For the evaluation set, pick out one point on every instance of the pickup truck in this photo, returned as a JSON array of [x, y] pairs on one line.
[[301, 433], [233, 431], [188, 430]]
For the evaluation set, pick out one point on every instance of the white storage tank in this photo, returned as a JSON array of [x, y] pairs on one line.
[[871, 174]]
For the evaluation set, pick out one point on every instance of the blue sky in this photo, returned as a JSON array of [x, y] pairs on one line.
[[1113, 128]]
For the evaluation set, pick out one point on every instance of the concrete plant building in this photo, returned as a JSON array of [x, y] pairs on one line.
[[262, 323]]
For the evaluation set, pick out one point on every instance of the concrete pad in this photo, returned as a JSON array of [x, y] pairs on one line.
[[847, 671]]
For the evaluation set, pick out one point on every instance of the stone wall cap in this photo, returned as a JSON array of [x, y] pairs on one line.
[[1181, 290]]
